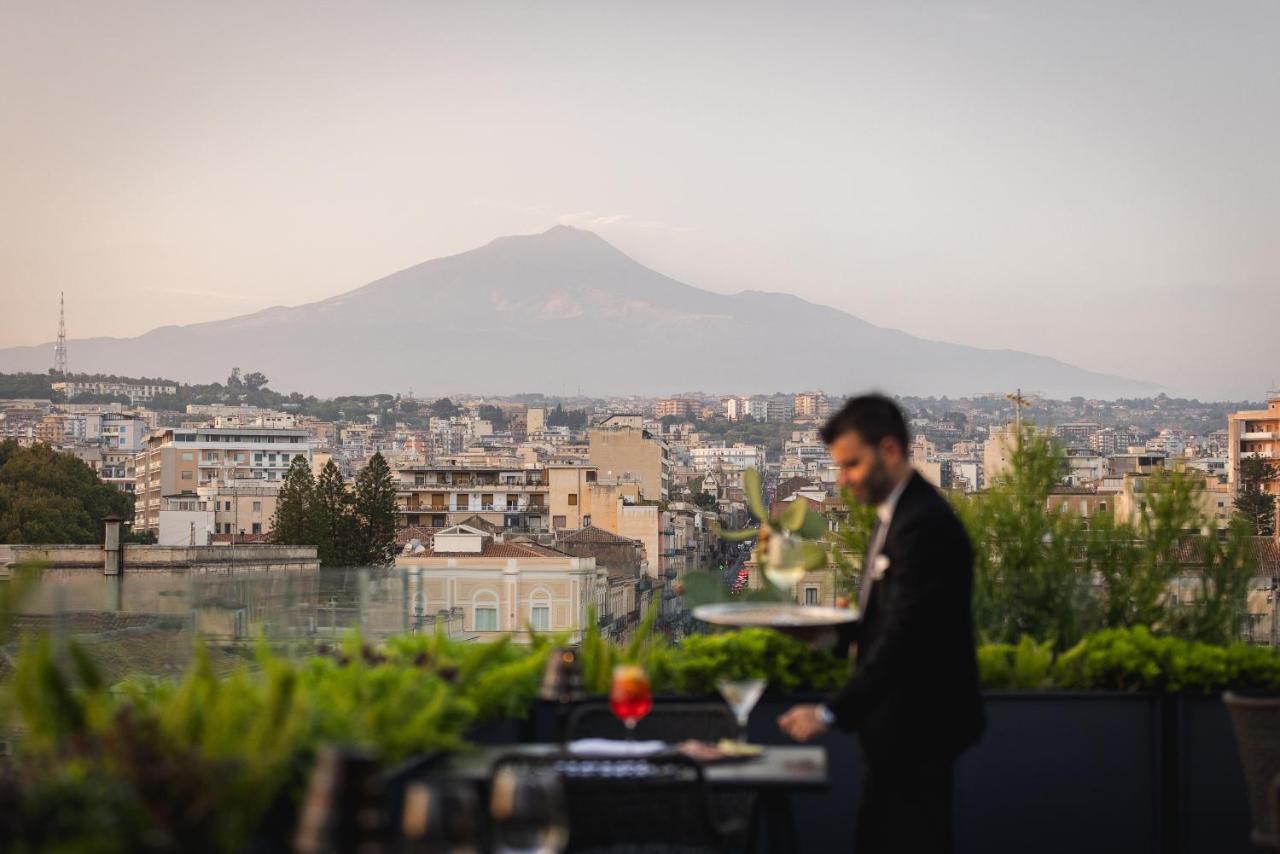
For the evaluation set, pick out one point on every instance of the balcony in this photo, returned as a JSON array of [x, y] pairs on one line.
[[1261, 436]]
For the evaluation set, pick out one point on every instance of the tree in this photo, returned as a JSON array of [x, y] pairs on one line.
[[494, 415], [234, 381], [334, 523], [375, 510], [1254, 505], [255, 381], [291, 525], [444, 408], [51, 497]]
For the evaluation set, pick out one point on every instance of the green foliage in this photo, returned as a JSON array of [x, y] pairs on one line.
[[1254, 506], [1057, 577], [1137, 660], [788, 664], [291, 523], [1026, 665], [333, 520], [375, 514], [51, 497]]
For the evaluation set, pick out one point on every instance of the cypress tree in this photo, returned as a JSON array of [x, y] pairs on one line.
[[334, 523], [291, 524], [375, 509]]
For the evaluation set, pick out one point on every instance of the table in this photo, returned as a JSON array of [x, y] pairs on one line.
[[780, 770]]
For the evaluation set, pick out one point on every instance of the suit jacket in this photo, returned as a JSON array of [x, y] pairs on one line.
[[914, 689]]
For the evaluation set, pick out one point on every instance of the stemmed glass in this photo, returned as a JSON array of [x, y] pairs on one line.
[[528, 811], [742, 696], [784, 561], [630, 697]]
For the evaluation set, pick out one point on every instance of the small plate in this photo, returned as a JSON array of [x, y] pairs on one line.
[[774, 616]]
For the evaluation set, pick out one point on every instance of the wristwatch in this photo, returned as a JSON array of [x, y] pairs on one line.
[[825, 715]]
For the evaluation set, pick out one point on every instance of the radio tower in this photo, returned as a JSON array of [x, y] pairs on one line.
[[60, 350]]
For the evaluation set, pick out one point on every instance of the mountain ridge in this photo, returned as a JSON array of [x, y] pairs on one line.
[[567, 308]]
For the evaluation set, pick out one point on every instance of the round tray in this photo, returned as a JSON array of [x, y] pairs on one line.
[[774, 616]]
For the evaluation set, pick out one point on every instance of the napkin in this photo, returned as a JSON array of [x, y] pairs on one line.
[[616, 747]]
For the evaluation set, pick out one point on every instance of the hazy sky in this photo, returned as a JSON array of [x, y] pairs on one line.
[[1098, 182]]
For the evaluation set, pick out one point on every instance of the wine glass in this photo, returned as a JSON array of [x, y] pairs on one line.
[[742, 696], [784, 561], [527, 805], [630, 697]]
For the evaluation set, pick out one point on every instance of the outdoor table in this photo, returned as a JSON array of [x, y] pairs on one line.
[[780, 770]]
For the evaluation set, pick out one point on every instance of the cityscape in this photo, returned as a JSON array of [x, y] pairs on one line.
[[588, 428]]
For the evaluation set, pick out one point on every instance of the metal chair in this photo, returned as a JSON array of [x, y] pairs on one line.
[[627, 804], [673, 723], [1256, 721]]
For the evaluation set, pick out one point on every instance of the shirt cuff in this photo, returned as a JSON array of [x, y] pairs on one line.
[[825, 715]]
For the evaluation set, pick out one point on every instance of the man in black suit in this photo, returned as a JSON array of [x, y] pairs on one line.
[[913, 698]]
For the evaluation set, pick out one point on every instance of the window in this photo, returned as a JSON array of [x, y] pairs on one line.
[[257, 507], [462, 502], [811, 596], [186, 475], [228, 506], [559, 522], [591, 477], [486, 500], [188, 456], [573, 499], [257, 527], [540, 618], [414, 520], [486, 619]]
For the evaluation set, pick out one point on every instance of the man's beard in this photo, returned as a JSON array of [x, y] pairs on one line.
[[879, 483]]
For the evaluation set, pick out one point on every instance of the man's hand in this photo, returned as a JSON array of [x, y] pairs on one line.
[[802, 723]]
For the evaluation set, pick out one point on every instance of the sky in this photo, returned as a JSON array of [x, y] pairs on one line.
[[1093, 181]]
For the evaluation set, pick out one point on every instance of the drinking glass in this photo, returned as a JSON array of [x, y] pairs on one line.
[[742, 696], [784, 561], [630, 697], [528, 811]]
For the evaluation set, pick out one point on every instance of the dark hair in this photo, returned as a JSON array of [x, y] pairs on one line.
[[872, 417]]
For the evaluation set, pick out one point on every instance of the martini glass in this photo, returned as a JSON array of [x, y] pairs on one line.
[[742, 696]]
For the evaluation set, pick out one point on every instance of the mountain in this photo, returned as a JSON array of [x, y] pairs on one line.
[[561, 310]]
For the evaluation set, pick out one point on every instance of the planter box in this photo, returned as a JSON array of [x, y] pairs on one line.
[[1213, 803], [1055, 772]]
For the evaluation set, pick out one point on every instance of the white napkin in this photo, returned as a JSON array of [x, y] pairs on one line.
[[615, 747]]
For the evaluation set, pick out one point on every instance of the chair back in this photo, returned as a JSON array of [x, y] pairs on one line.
[[1256, 721], [640, 803]]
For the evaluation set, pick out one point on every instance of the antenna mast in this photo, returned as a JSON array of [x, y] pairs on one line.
[[60, 349]]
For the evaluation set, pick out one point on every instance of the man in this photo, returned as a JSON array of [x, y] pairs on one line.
[[913, 698]]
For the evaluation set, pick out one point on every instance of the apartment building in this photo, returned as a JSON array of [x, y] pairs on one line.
[[812, 404], [221, 512], [1254, 433], [136, 392], [631, 452], [180, 460], [505, 496], [715, 457], [679, 407]]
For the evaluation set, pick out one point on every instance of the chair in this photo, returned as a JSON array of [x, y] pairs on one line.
[[673, 723], [1256, 721], [626, 804]]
